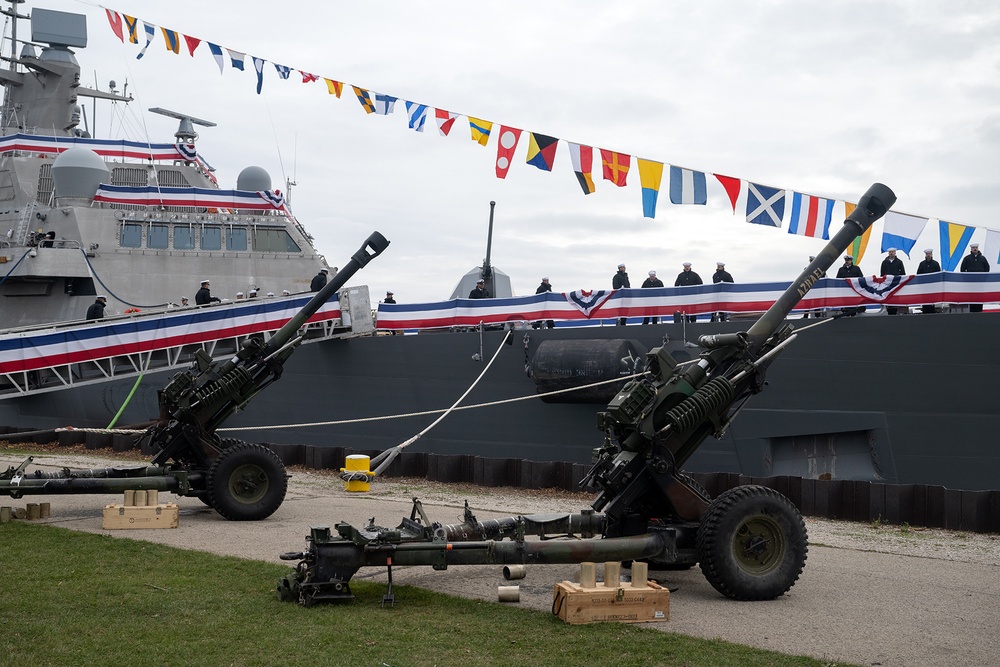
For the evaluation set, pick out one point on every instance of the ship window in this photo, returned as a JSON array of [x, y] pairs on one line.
[[183, 238], [6, 186], [131, 235], [135, 177], [172, 178], [158, 237], [236, 238], [273, 240], [44, 195], [211, 238]]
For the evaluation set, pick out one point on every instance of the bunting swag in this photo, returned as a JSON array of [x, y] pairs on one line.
[[146, 333], [198, 197], [604, 307], [765, 205], [136, 150]]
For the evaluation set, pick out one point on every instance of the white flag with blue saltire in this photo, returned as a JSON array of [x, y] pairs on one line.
[[687, 186], [901, 231], [765, 205], [417, 114]]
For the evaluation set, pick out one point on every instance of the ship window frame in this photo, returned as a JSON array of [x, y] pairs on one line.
[[233, 232], [154, 233], [128, 230], [180, 231], [272, 239], [217, 241]]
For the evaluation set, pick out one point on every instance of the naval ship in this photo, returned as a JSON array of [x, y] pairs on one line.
[[902, 399]]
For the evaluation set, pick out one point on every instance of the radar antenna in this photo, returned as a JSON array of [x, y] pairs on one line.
[[185, 131]]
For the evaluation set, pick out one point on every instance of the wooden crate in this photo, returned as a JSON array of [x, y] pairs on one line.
[[624, 604], [123, 517]]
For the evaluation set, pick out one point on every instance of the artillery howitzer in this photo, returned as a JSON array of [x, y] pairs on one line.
[[241, 481], [750, 541]]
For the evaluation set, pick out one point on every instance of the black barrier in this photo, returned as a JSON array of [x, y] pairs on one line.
[[850, 500]]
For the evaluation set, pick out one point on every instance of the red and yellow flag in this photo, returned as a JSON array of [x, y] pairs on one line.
[[615, 166]]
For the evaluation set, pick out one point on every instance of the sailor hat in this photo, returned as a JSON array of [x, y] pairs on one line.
[[973, 245], [102, 297], [270, 293], [480, 281], [621, 266], [929, 251], [850, 257], [687, 265], [204, 282], [323, 271], [720, 263], [239, 294], [652, 273]]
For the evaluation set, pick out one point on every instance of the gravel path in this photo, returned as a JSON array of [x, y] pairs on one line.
[[870, 595]]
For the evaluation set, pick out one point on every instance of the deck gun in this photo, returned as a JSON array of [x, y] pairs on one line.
[[750, 541], [241, 481]]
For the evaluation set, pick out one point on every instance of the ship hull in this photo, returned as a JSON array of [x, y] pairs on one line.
[[904, 399]]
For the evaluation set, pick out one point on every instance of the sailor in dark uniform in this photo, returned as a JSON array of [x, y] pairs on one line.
[[892, 266], [318, 281], [849, 269], [721, 276], [96, 310], [685, 278], [651, 281], [542, 288], [929, 265], [620, 281], [203, 296], [480, 291], [975, 262]]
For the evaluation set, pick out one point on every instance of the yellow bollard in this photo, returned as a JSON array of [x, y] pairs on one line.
[[357, 463]]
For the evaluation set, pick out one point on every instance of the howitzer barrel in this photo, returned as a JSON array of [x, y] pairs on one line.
[[372, 248], [872, 206]]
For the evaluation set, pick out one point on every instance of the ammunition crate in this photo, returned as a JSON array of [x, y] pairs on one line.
[[624, 604], [124, 517]]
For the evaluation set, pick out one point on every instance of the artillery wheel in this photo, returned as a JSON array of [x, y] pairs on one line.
[[752, 543], [246, 482]]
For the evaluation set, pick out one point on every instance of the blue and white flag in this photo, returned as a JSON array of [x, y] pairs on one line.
[[283, 71], [687, 186], [765, 206], [150, 33], [220, 60], [258, 64], [384, 104], [417, 114], [236, 59], [992, 250], [900, 231], [810, 216]]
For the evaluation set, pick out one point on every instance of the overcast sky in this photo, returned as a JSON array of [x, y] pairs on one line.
[[816, 97]]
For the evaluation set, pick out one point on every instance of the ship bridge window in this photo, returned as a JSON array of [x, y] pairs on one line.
[[236, 238], [211, 238], [44, 193], [131, 235], [6, 186], [158, 237], [273, 240], [136, 177], [183, 238]]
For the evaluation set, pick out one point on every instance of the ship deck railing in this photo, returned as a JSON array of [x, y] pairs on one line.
[[42, 359]]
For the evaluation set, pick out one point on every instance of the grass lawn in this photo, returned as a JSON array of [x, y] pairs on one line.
[[73, 598]]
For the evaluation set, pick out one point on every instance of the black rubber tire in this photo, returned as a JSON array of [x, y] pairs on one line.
[[752, 543], [226, 443], [247, 482]]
